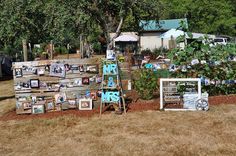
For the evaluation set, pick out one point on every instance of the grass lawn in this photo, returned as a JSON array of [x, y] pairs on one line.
[[139, 133]]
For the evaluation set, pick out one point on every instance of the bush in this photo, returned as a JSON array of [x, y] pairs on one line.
[[145, 83]]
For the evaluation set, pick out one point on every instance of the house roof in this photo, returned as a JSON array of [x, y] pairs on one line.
[[153, 25]]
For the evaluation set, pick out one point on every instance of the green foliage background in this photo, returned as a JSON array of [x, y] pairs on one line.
[[63, 21]]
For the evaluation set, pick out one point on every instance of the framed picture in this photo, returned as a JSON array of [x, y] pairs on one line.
[[110, 54], [58, 107], [60, 98], [85, 81], [27, 105], [58, 70], [47, 68], [18, 72], [81, 68], [93, 95], [26, 85], [92, 68], [67, 67], [74, 67], [43, 84], [85, 104], [98, 79], [41, 71], [37, 109], [49, 105], [78, 82], [72, 103], [34, 83]]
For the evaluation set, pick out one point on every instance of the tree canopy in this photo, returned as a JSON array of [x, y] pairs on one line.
[[63, 21]]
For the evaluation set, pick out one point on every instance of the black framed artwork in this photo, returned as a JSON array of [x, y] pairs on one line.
[[85, 80], [34, 83], [18, 72]]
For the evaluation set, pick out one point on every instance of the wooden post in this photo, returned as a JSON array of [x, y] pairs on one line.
[[51, 50], [68, 48], [81, 46], [25, 51]]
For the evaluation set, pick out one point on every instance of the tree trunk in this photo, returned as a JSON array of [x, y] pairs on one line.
[[109, 45], [25, 50]]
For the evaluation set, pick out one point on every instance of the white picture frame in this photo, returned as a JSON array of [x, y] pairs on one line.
[[85, 104]]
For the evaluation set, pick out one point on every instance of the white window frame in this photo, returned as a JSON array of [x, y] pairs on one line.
[[178, 80]]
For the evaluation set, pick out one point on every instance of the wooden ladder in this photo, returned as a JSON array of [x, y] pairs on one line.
[[117, 87]]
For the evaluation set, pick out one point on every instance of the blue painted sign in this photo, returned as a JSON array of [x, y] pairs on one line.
[[111, 82], [110, 96], [109, 69]]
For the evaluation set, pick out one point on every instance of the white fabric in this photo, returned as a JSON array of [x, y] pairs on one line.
[[126, 38], [172, 32]]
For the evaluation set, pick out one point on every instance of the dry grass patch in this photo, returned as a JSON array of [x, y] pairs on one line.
[[6, 88], [142, 133]]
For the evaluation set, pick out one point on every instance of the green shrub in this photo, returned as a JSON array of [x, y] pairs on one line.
[[216, 66], [145, 83]]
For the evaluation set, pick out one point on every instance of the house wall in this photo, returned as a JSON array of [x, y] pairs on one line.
[[152, 40]]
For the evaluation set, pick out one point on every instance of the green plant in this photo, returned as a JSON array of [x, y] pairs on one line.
[[145, 83], [212, 63]]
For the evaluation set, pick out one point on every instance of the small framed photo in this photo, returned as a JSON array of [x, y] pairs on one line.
[[85, 104], [41, 71], [67, 67], [78, 82], [34, 83], [74, 67], [60, 98], [58, 70], [85, 80], [18, 72], [98, 79], [81, 68], [92, 68], [27, 105], [49, 105], [58, 107], [47, 68], [37, 109], [72, 103], [93, 95]]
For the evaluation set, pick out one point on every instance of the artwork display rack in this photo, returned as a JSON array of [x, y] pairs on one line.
[[112, 92], [55, 85]]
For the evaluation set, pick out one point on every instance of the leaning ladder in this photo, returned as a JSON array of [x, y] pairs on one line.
[[117, 87]]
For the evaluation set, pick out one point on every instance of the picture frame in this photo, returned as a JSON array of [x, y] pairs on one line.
[[81, 68], [50, 105], [18, 72], [38, 109], [58, 70], [93, 95], [34, 83], [60, 98], [72, 103], [58, 107], [40, 71], [78, 82], [85, 80], [27, 105], [92, 68], [99, 79], [85, 104]]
